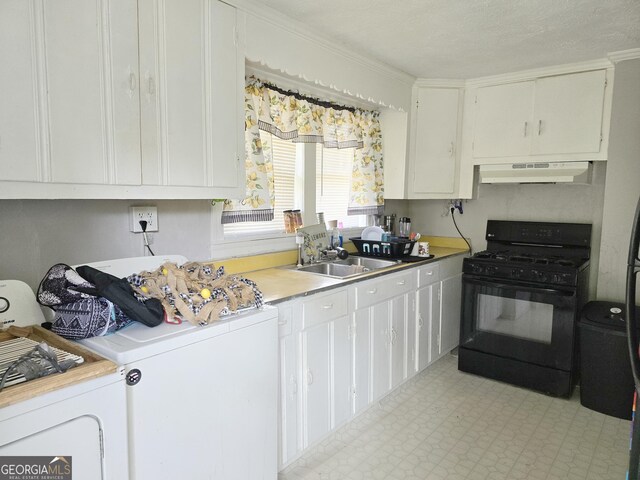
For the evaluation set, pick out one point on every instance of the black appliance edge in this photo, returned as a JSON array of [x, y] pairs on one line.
[[633, 268], [543, 379]]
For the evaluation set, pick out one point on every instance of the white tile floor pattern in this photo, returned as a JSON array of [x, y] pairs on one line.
[[445, 424]]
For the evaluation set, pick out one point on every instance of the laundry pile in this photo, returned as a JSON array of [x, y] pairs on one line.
[[89, 303]]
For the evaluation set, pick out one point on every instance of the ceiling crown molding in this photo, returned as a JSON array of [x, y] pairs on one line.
[[623, 55]]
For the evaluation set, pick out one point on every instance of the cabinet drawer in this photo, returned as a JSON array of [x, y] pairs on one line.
[[321, 308], [386, 287], [428, 274]]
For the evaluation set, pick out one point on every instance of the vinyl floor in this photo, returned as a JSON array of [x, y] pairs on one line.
[[445, 424]]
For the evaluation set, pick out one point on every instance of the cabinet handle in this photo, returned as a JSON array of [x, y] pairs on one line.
[[429, 273], [309, 377], [294, 385], [526, 124], [401, 282], [394, 335], [132, 82], [539, 126], [151, 86], [420, 322], [372, 291], [451, 149], [328, 306]]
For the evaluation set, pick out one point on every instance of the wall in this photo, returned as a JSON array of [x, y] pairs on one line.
[[37, 234], [623, 181], [554, 203]]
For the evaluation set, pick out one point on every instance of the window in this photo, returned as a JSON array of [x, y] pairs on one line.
[[333, 184], [332, 180], [284, 168]]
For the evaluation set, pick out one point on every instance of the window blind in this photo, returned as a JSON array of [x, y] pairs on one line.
[[284, 169], [333, 181]]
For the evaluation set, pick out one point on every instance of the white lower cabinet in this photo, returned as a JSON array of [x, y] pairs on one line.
[[343, 349], [383, 308]]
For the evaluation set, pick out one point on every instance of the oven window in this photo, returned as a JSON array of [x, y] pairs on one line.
[[515, 317]]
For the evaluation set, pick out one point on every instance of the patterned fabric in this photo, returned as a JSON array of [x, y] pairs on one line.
[[196, 292], [301, 121], [88, 317], [78, 312], [367, 178]]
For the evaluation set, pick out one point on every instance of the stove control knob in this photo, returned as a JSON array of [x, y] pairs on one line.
[[541, 276], [515, 272], [477, 268]]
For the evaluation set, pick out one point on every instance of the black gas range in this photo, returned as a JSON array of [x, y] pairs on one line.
[[521, 299]]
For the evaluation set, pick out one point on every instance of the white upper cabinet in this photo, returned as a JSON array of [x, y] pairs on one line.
[[436, 141], [563, 117], [503, 120], [434, 162], [191, 96], [121, 99], [568, 113], [70, 102]]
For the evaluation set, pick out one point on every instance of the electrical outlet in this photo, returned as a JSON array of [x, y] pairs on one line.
[[148, 214]]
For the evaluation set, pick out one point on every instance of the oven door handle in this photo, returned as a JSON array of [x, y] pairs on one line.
[[516, 286]]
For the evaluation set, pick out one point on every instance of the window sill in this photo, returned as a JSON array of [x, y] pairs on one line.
[[243, 246]]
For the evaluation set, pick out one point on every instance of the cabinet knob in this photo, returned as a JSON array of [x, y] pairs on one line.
[[132, 83]]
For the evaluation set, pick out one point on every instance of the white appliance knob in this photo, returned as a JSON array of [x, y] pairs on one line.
[[4, 304], [615, 310]]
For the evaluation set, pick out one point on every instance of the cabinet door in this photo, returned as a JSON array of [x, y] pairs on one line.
[[568, 113], [341, 371], [20, 155], [450, 313], [428, 324], [316, 377], [76, 62], [191, 93], [399, 317], [380, 350], [412, 334], [503, 123], [361, 360], [436, 140], [289, 446]]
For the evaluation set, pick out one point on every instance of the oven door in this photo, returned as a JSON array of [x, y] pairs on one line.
[[519, 321]]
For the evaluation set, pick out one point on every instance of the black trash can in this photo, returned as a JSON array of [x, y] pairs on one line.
[[606, 382]]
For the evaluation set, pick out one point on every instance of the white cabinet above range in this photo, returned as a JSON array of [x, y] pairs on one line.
[[552, 118], [121, 99], [434, 163]]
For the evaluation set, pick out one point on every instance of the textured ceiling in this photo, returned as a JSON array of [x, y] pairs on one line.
[[471, 38]]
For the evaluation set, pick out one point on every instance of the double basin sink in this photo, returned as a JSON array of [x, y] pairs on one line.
[[347, 268]]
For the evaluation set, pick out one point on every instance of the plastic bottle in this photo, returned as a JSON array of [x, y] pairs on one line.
[[336, 237]]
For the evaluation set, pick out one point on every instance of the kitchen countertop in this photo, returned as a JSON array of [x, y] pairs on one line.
[[280, 284]]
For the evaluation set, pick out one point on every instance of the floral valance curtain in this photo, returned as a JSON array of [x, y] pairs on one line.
[[299, 119]]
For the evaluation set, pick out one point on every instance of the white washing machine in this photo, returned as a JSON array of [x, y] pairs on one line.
[[201, 401], [85, 421]]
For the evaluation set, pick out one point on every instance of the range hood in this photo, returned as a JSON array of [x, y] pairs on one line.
[[549, 172]]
